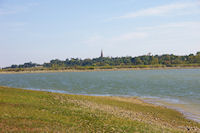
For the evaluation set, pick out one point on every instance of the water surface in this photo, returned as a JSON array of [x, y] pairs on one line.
[[179, 88]]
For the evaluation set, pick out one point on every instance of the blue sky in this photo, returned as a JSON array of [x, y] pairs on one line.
[[41, 30]]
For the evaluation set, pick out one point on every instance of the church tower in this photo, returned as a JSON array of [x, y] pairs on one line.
[[101, 53]]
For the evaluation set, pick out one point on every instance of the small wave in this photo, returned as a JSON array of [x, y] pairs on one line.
[[48, 90]]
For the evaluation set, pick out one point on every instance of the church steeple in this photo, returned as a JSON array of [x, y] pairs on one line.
[[101, 53]]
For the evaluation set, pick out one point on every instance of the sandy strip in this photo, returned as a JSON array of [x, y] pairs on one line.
[[95, 70]]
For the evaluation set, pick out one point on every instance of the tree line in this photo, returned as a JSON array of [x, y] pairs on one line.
[[168, 60]]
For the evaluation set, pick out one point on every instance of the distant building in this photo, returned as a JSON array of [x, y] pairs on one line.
[[149, 54], [101, 53]]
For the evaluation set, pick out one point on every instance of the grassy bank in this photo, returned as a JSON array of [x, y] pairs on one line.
[[36, 111]]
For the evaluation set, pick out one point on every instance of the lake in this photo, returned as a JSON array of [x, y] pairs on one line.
[[176, 88]]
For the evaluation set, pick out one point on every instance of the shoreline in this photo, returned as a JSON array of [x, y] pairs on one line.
[[96, 70], [189, 114], [78, 112]]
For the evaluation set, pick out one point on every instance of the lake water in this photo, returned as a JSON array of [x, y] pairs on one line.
[[178, 88]]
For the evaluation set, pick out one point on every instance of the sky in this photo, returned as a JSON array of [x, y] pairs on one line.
[[42, 30]]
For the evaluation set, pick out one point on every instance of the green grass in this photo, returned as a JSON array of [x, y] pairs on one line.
[[36, 111]]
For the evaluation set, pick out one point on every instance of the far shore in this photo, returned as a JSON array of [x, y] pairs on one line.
[[94, 70]]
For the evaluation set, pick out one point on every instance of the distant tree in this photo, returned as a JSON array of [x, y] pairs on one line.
[[137, 61], [154, 60], [14, 66], [108, 62]]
